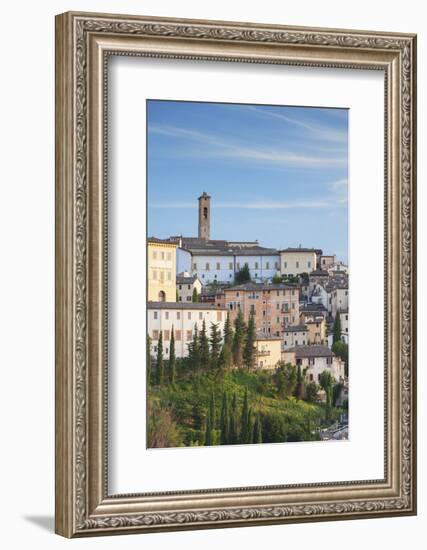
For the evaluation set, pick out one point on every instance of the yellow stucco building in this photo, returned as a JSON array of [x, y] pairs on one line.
[[161, 270], [268, 352]]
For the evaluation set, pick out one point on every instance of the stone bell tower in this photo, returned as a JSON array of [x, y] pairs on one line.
[[204, 216]]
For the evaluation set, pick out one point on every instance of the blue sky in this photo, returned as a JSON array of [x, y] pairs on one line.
[[276, 174]]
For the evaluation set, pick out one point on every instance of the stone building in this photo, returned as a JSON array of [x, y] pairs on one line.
[[315, 359], [274, 306]]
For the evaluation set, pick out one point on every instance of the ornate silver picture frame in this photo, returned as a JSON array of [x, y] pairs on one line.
[[84, 42]]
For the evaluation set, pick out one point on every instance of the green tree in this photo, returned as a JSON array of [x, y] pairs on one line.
[[149, 360], [245, 420], [327, 382], [337, 328], [311, 392], [257, 434], [172, 359], [285, 379], [159, 362], [226, 358], [210, 422], [233, 433], [204, 347], [340, 348], [239, 340], [225, 420], [243, 275], [249, 354], [215, 342], [195, 296], [300, 385], [194, 351], [277, 279]]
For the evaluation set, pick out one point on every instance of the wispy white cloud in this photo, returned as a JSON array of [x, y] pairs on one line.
[[226, 149], [323, 133]]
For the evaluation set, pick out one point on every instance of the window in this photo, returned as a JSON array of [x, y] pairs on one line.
[[189, 335], [180, 287], [178, 315], [329, 360], [169, 256], [297, 265], [237, 294], [311, 378], [303, 342], [285, 265], [169, 276], [155, 334], [189, 315], [256, 265], [154, 274], [267, 265], [218, 266], [309, 264], [155, 315], [277, 305], [276, 265], [286, 306], [167, 334], [238, 265], [162, 255], [162, 276], [296, 342], [189, 298], [318, 377], [154, 255], [277, 319], [200, 316], [167, 351], [346, 317], [194, 267], [219, 316], [263, 313], [166, 314], [207, 266]]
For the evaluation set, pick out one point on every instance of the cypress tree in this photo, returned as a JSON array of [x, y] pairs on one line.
[[215, 342], [195, 296], [244, 422], [249, 437], [228, 332], [238, 340], [159, 363], [232, 436], [194, 351], [249, 351], [210, 422], [225, 421], [204, 347], [149, 365], [172, 359], [257, 435], [337, 328]]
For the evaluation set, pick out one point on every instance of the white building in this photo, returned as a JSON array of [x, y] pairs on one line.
[[294, 261], [296, 335], [185, 286], [182, 317], [315, 359]]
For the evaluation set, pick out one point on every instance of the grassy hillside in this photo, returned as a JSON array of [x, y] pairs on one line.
[[231, 407]]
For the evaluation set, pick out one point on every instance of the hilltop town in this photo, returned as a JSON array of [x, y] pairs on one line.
[[291, 306]]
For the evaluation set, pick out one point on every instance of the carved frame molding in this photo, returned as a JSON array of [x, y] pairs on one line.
[[83, 43]]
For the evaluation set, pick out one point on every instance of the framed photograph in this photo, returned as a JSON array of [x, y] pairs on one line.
[[235, 274]]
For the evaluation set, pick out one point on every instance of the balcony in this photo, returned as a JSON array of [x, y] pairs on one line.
[[263, 353]]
